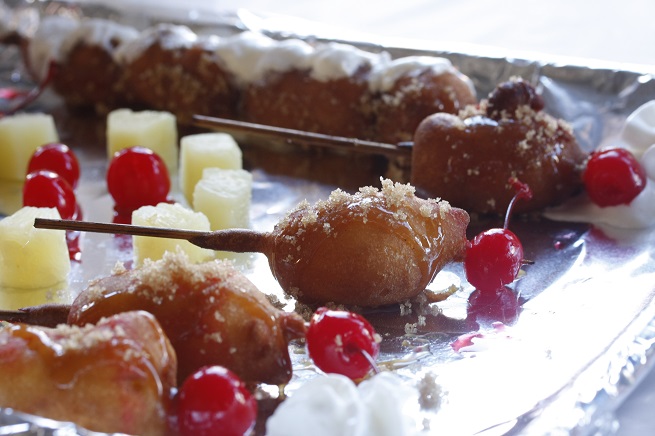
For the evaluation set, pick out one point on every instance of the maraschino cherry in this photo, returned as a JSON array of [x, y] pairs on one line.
[[613, 177], [494, 257], [47, 189], [214, 401], [59, 159], [137, 177], [342, 342]]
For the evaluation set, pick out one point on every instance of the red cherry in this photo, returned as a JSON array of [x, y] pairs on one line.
[[57, 158], [613, 177], [215, 401], [342, 342], [137, 177], [494, 257], [47, 189]]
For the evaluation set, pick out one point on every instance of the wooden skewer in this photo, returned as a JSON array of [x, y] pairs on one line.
[[300, 137], [46, 315], [235, 240]]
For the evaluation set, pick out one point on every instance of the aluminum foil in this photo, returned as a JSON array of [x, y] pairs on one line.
[[560, 362]]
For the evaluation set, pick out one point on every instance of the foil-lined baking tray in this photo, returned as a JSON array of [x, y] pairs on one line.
[[583, 332]]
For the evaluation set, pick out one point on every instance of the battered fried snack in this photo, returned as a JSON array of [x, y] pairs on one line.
[[468, 158], [211, 313], [113, 377], [168, 67], [88, 73], [407, 90], [373, 248], [327, 92], [330, 88]]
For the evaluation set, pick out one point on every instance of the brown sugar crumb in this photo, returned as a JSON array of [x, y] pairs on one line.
[[119, 268], [74, 338], [471, 111], [429, 392]]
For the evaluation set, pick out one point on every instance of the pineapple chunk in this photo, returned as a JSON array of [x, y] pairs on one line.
[[206, 150], [20, 136], [32, 258], [224, 196], [171, 216], [151, 129]]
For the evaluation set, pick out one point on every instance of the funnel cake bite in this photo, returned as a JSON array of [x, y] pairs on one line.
[[212, 314], [406, 90], [372, 248], [113, 377], [469, 158], [168, 67], [325, 91]]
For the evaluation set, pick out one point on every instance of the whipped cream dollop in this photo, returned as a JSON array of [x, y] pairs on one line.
[[248, 56], [332, 405], [170, 36], [385, 76], [637, 136]]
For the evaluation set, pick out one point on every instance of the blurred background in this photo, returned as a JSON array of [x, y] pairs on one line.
[[609, 30]]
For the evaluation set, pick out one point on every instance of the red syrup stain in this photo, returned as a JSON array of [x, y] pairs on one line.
[[73, 237], [73, 242], [468, 339], [11, 93], [487, 308], [25, 98]]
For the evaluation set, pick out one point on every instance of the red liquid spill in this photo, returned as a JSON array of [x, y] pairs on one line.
[[73, 242]]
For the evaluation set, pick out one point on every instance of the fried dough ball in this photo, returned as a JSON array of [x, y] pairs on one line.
[[112, 377], [373, 248], [90, 73], [170, 68], [327, 92], [469, 158], [412, 88], [211, 313], [294, 100]]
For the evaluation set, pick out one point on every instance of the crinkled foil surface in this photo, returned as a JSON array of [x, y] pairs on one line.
[[584, 333]]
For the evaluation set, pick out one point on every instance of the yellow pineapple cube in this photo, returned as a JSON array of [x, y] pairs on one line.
[[206, 150], [224, 196], [20, 136], [166, 215], [156, 130], [32, 258]]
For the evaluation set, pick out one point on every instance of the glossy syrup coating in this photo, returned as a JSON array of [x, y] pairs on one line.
[[113, 377], [468, 158], [212, 314], [373, 248]]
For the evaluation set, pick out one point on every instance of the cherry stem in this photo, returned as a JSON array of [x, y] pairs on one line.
[[522, 191], [371, 361], [35, 92]]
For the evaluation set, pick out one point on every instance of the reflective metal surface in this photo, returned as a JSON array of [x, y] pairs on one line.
[[554, 354]]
